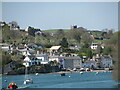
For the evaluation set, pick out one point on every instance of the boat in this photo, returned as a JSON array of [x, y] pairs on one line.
[[27, 80], [97, 73], [36, 74], [62, 74], [81, 72], [82, 69], [12, 85]]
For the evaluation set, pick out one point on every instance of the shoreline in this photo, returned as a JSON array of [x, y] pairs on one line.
[[61, 72]]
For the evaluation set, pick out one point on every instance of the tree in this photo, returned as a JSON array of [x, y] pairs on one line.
[[86, 45], [64, 42], [89, 53], [6, 59], [107, 51], [114, 43]]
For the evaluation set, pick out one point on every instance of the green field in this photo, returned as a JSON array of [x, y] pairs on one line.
[[55, 30]]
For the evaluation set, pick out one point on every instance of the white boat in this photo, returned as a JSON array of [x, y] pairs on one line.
[[36, 74], [81, 72], [97, 73], [27, 81]]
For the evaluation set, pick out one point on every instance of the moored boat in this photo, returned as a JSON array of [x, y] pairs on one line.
[[27, 81], [62, 74]]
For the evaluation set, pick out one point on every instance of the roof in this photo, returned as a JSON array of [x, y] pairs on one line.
[[55, 47], [90, 61], [4, 44], [95, 43], [25, 49], [72, 58]]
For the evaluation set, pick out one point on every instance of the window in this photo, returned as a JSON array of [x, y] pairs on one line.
[[33, 63], [29, 63]]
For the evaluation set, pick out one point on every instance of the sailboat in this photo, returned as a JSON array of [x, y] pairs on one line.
[[27, 79]]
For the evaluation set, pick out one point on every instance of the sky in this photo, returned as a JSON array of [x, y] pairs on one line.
[[61, 15]]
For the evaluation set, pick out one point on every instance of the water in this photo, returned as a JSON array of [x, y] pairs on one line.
[[71, 80]]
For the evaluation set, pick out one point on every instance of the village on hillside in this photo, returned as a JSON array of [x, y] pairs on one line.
[[44, 51]]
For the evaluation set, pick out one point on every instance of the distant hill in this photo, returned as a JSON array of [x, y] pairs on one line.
[[55, 30]]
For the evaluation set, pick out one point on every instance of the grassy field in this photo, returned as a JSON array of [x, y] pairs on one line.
[[55, 30]]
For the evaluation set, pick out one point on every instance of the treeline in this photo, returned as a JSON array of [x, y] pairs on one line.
[[113, 43]]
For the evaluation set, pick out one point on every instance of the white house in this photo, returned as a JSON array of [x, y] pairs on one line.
[[44, 58], [94, 46], [35, 60], [5, 47], [106, 62], [27, 51], [53, 58], [75, 47]]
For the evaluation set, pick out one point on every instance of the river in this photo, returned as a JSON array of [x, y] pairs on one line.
[[71, 80]]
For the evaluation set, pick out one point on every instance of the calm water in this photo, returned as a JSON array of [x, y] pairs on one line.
[[71, 80]]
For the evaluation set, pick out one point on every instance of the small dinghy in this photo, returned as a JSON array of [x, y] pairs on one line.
[[12, 86]]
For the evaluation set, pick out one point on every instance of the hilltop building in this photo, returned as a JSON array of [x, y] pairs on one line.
[[13, 25], [2, 24], [73, 26], [33, 32]]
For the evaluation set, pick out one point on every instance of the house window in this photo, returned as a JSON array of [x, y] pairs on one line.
[[39, 63], [29, 63], [35, 63]]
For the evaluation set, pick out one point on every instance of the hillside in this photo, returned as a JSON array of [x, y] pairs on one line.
[[55, 30]]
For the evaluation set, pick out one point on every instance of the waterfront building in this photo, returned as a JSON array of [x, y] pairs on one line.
[[106, 62], [70, 62], [90, 64], [35, 60]]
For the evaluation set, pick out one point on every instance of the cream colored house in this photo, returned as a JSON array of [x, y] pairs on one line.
[[55, 50]]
